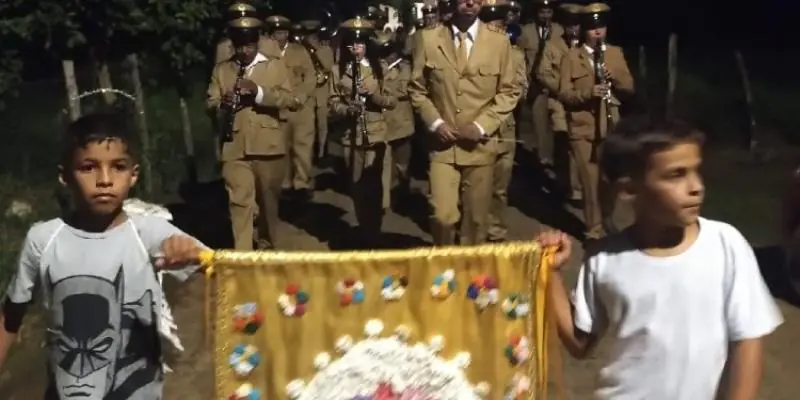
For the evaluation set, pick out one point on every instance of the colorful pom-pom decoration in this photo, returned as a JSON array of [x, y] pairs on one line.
[[518, 350], [516, 306], [350, 291], [519, 386], [393, 287], [483, 291], [444, 284], [246, 392], [244, 359], [294, 301], [246, 318]]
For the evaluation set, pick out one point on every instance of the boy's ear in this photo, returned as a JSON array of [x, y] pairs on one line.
[[134, 174], [61, 178]]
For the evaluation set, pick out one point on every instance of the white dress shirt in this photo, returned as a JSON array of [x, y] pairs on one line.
[[472, 34], [249, 71]]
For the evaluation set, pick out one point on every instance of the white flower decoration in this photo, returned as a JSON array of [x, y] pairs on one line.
[[373, 328], [344, 344], [436, 343], [284, 301], [462, 359], [402, 333], [449, 275], [295, 389], [321, 361], [244, 390], [482, 389]]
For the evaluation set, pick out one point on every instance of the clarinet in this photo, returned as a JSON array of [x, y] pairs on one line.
[[605, 102], [230, 111], [358, 83]]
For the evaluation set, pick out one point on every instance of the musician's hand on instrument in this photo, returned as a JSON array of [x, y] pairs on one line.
[[178, 251], [446, 134], [609, 76], [248, 87], [470, 132], [600, 91], [227, 98], [369, 87]]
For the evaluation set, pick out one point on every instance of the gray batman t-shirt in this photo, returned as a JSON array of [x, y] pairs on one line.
[[102, 297]]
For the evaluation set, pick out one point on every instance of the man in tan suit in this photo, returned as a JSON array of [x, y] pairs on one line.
[[588, 103], [322, 58], [534, 37], [463, 87], [549, 76], [225, 49], [495, 14], [299, 126], [253, 152], [430, 20]]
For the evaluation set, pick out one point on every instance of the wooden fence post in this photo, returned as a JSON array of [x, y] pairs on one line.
[[141, 122], [752, 136], [672, 70]]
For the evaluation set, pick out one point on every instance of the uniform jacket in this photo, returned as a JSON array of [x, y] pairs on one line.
[[521, 81], [302, 74], [257, 129], [484, 93], [266, 46], [549, 76], [575, 91], [530, 39], [400, 120], [380, 100]]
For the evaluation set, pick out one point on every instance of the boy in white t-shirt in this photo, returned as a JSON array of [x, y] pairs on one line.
[[674, 292]]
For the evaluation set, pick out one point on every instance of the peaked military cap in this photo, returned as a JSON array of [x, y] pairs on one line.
[[544, 3], [357, 29], [241, 10], [244, 30], [446, 6], [278, 22], [383, 39], [311, 25], [430, 7], [595, 15], [493, 10], [297, 27], [515, 6], [570, 13], [375, 13]]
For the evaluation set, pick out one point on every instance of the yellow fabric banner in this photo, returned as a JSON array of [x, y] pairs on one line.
[[433, 323]]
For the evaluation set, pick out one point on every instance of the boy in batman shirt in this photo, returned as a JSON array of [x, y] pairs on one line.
[[96, 271]]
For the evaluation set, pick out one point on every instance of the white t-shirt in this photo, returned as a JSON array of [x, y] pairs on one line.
[[670, 319]]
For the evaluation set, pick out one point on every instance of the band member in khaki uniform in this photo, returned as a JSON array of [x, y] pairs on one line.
[[299, 125], [250, 91], [446, 11], [588, 102], [495, 14], [322, 58], [549, 76], [399, 120], [463, 87], [358, 99], [430, 20], [225, 50], [534, 37]]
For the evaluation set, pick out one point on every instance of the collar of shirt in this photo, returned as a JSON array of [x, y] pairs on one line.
[[472, 31], [364, 62], [257, 59], [588, 49]]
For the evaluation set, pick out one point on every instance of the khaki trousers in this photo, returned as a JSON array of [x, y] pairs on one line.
[[254, 188], [300, 137], [540, 118], [368, 168], [566, 170], [598, 201], [321, 120], [472, 186], [401, 157], [503, 169]]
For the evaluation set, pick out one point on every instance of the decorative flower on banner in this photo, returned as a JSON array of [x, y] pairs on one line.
[[518, 350], [519, 385], [444, 284], [246, 392], [516, 306], [246, 318], [293, 302], [244, 359], [350, 292], [483, 291], [394, 288], [388, 368]]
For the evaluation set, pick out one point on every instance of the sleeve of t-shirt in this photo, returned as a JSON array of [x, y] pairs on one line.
[[20, 289], [154, 231], [750, 309], [588, 312]]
